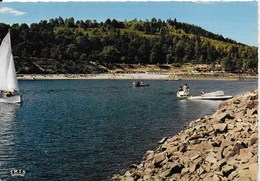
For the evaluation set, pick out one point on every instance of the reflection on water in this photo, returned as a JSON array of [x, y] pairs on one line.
[[8, 140]]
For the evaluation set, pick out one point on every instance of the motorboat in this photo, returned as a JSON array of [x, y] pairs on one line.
[[217, 95], [183, 94], [140, 84]]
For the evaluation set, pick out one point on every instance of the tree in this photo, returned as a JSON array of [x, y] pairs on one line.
[[110, 54], [179, 51], [69, 23], [70, 52], [147, 28], [170, 57], [228, 64], [115, 24], [143, 52], [157, 55], [250, 64], [107, 23], [164, 31], [60, 21]]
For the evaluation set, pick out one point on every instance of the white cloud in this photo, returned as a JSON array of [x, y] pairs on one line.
[[12, 11]]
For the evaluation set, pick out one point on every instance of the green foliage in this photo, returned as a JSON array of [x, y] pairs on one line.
[[66, 46], [228, 64]]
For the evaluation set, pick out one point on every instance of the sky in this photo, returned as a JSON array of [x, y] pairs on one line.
[[235, 20]]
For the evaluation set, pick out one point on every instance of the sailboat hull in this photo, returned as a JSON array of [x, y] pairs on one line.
[[11, 99]]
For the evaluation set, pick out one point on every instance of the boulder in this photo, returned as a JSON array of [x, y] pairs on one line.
[[177, 168], [233, 175], [222, 118], [216, 178], [245, 154], [162, 140], [247, 175], [253, 139], [237, 147], [194, 167], [226, 142], [159, 157], [220, 128], [227, 170], [251, 112], [227, 151], [253, 169], [211, 158], [147, 177]]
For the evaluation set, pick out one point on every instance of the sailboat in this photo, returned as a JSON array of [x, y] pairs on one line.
[[8, 81]]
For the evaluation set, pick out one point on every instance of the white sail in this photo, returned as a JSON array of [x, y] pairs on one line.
[[8, 80]]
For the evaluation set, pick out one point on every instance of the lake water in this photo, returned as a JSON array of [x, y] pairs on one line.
[[91, 129]]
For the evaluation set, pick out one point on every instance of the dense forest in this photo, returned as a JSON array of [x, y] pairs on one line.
[[68, 46]]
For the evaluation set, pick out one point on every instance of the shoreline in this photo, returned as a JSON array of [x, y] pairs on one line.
[[134, 76]]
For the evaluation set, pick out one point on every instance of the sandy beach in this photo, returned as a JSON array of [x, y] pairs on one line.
[[134, 76]]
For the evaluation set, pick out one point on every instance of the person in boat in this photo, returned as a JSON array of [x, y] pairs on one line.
[[180, 88], [7, 94], [138, 83], [185, 87], [202, 93]]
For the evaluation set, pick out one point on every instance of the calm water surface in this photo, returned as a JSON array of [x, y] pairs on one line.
[[91, 129]]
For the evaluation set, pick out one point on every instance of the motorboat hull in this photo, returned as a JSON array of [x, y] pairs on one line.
[[11, 99], [145, 85], [210, 97], [182, 94]]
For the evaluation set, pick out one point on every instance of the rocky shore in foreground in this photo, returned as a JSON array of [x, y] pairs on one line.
[[222, 146]]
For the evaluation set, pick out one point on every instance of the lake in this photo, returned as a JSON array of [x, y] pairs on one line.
[[91, 129]]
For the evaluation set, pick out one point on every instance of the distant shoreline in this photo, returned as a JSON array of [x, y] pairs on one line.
[[135, 76]]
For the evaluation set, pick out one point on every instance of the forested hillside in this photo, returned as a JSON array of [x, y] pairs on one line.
[[68, 46]]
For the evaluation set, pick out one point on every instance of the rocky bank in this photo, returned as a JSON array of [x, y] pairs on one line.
[[222, 146]]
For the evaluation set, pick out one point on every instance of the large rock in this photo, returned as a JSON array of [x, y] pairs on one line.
[[158, 158], [245, 154], [253, 139], [227, 169], [220, 128], [211, 158]]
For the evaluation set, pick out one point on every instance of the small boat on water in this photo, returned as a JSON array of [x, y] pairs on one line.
[[140, 84], [9, 89], [217, 95], [183, 94]]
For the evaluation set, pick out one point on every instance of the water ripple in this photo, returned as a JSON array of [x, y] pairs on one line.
[[90, 129]]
